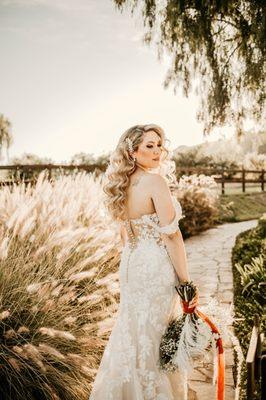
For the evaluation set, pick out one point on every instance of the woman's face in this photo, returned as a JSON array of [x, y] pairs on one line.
[[149, 150]]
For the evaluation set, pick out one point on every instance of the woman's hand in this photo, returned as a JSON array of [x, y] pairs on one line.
[[195, 301]]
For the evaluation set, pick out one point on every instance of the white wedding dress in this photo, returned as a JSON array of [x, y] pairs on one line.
[[129, 369]]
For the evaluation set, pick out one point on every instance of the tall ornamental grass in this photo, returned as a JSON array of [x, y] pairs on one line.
[[58, 252]]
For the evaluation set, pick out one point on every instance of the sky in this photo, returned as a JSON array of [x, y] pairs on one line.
[[74, 75]]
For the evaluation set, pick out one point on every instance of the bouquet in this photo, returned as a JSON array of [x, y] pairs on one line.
[[189, 336]]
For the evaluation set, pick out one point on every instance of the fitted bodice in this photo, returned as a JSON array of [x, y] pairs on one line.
[[147, 227]]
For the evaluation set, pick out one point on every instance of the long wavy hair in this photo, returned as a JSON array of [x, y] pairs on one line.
[[122, 165]]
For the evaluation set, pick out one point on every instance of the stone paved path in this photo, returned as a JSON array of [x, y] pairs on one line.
[[209, 261]]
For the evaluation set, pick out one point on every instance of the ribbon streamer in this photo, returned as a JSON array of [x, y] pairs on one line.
[[219, 345]]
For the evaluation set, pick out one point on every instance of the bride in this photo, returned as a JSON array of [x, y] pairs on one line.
[[140, 197]]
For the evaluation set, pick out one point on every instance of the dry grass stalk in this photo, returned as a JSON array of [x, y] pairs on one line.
[[56, 247]]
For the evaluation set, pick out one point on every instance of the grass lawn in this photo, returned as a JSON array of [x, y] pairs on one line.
[[242, 206]]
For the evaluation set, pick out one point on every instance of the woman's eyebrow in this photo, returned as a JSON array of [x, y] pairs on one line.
[[151, 141]]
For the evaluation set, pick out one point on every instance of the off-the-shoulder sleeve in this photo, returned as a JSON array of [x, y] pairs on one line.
[[174, 225]]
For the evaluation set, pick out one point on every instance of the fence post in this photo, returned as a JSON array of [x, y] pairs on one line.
[[243, 180], [262, 179], [258, 349], [263, 377], [253, 364], [222, 181], [49, 172], [17, 176]]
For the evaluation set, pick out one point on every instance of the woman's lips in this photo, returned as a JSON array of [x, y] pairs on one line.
[[156, 159]]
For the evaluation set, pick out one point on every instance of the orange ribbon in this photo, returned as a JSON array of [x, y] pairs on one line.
[[219, 345]]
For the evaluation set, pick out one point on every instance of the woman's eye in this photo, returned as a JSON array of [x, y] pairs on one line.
[[159, 145]]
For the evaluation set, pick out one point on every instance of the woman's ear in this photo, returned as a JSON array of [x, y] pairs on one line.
[[134, 155]]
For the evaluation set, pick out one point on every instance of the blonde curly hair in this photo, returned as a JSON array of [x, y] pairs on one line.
[[122, 165]]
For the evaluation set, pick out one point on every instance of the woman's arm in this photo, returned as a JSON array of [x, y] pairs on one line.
[[177, 253], [165, 210]]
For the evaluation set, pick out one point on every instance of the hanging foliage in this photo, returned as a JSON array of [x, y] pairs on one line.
[[217, 45]]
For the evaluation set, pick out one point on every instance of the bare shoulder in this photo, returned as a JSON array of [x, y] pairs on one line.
[[156, 183], [162, 200]]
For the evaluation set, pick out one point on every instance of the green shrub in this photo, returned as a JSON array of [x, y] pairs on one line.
[[200, 203], [248, 260], [248, 244], [253, 279]]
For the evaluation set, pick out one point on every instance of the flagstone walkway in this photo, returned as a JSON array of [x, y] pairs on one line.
[[209, 261]]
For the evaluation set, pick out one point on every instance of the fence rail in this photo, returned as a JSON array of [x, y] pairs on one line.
[[221, 176], [224, 175]]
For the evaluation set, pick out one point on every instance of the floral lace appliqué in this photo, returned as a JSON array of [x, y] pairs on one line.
[[129, 367]]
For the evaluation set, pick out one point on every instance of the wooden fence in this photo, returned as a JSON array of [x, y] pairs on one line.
[[222, 176], [256, 363]]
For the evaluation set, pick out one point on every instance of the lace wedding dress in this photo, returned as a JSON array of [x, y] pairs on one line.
[[129, 369]]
